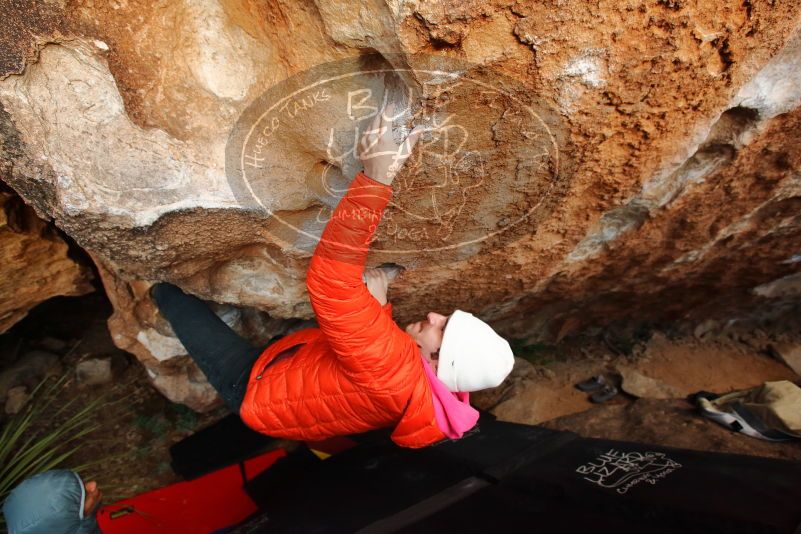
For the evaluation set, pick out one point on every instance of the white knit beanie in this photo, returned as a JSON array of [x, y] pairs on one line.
[[472, 356]]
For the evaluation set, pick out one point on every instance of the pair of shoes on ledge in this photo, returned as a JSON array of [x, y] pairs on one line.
[[601, 388]]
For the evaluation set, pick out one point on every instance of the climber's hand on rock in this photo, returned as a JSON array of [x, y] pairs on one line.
[[377, 284], [381, 156]]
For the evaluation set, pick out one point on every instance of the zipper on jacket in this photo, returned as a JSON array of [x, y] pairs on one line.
[[283, 355]]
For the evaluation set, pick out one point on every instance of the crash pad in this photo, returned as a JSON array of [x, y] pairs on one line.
[[211, 502]]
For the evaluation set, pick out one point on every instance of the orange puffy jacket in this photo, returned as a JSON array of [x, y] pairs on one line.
[[359, 371]]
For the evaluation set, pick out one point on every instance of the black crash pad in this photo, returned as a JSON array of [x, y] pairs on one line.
[[508, 476]]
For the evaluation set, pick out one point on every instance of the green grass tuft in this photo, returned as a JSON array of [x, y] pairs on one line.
[[25, 452]]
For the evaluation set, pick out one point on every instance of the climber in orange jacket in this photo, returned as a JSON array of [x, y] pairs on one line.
[[358, 371]]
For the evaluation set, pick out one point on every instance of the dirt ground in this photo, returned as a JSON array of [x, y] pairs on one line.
[[542, 390], [138, 425]]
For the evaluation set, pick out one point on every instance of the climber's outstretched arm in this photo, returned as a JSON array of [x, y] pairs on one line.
[[349, 316]]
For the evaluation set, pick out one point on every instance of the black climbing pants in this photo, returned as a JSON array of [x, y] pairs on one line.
[[223, 355]]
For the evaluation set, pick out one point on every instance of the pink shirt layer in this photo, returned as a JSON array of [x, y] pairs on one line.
[[454, 414]]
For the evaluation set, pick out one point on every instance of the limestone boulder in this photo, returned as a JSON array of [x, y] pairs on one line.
[[645, 387], [790, 354], [582, 165], [94, 371], [29, 371]]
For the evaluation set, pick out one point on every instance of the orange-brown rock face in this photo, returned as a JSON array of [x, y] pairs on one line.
[[624, 162], [35, 264]]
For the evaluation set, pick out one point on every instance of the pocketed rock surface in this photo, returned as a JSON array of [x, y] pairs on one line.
[[621, 163], [35, 263]]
